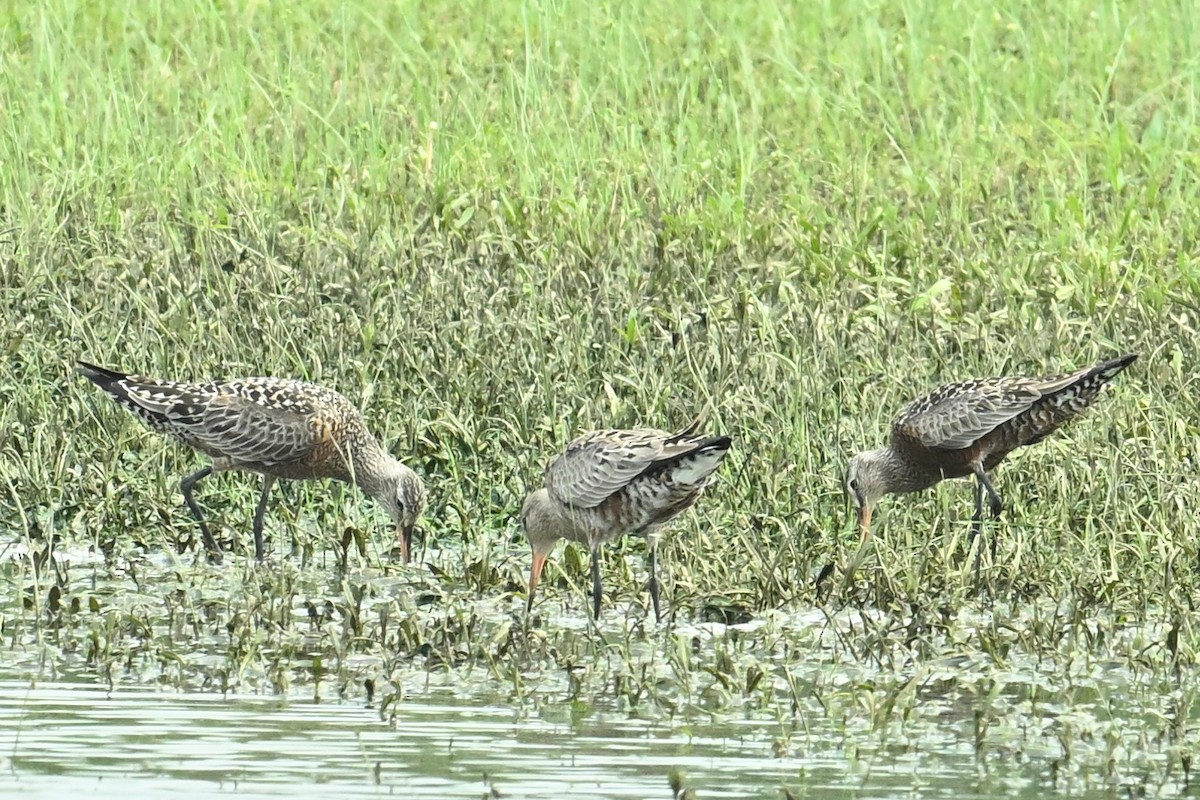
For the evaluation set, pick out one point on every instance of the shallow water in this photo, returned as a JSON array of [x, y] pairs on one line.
[[120, 696], [60, 738]]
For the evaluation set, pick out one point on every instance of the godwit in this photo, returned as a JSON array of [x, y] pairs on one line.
[[611, 482], [968, 428], [279, 428]]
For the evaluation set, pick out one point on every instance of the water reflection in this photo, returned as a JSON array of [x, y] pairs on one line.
[[825, 703], [62, 738]]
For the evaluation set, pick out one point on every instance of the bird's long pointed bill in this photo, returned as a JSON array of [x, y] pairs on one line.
[[535, 574], [864, 525], [864, 532], [405, 537]]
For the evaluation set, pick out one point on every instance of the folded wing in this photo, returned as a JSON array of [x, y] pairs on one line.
[[598, 464]]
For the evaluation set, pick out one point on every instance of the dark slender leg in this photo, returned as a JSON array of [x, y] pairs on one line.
[[259, 513], [977, 527], [997, 503], [186, 486], [596, 583], [984, 484], [977, 520], [652, 585], [826, 571], [997, 509]]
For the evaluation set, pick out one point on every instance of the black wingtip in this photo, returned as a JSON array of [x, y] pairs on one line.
[[1110, 368], [711, 443], [98, 375], [716, 443]]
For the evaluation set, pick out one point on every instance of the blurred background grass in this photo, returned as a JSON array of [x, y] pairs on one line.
[[496, 224]]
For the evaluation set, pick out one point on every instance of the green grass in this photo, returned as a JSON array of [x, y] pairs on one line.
[[497, 224]]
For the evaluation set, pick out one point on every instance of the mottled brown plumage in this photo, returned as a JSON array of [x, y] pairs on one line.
[[277, 427], [611, 482], [968, 428]]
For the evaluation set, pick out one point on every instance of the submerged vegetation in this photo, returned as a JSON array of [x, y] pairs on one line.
[[494, 225]]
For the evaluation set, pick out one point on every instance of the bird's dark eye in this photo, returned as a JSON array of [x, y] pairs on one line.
[[854, 484]]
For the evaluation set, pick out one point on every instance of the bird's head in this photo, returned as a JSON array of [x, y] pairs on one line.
[[542, 526], [865, 484], [405, 501]]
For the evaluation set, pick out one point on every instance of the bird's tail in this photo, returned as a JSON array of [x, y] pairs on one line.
[[104, 378], [1108, 370], [693, 467], [1078, 393], [129, 391]]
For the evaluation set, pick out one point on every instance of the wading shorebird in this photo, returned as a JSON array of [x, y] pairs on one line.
[[612, 482], [277, 427], [967, 428]]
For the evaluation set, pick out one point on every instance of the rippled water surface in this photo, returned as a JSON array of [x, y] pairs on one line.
[[113, 688], [61, 738]]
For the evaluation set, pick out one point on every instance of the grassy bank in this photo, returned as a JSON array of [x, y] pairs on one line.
[[496, 224]]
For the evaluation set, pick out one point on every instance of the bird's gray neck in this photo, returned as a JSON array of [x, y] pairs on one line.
[[899, 475], [551, 521], [374, 470]]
